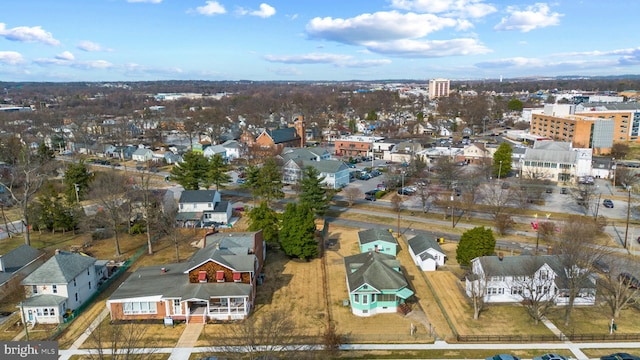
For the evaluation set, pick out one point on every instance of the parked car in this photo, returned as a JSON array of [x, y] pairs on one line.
[[503, 357], [240, 181], [550, 356], [629, 280], [370, 197], [548, 190], [601, 266], [563, 190], [353, 166], [620, 356], [505, 185], [608, 203]]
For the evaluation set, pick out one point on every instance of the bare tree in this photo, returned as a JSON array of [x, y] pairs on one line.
[[270, 335], [537, 288], [615, 287], [108, 190], [498, 199], [476, 288], [578, 253], [351, 194], [584, 196], [23, 180], [120, 342], [396, 205]]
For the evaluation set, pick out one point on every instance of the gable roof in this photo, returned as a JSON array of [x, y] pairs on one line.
[[523, 265], [233, 253], [197, 196], [422, 243], [16, 259], [283, 135], [60, 269], [142, 151], [371, 235], [374, 269]]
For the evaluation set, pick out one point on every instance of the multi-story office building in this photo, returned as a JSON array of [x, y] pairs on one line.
[[589, 129], [438, 88]]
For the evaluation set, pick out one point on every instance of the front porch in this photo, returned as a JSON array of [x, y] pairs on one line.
[[220, 309]]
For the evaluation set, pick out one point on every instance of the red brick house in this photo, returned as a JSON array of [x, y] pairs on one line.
[[217, 283]]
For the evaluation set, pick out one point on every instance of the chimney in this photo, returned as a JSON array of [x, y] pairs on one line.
[[500, 256], [57, 251], [218, 245], [549, 250]]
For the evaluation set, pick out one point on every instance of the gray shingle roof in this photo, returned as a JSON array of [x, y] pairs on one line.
[[151, 281], [374, 269], [17, 258], [371, 235], [197, 196], [231, 254], [283, 135], [421, 243], [554, 156], [44, 300], [60, 269], [525, 265]]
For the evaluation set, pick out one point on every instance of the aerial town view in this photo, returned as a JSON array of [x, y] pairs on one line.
[[389, 179]]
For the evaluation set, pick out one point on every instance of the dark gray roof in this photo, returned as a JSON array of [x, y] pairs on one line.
[[221, 206], [230, 254], [17, 258], [44, 300], [283, 135], [60, 269], [173, 283], [197, 196], [371, 235], [374, 269], [421, 243], [525, 265]]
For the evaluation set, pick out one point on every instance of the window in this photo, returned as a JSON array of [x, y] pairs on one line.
[[76, 296], [74, 282], [516, 290], [45, 312], [177, 308], [139, 307], [544, 274], [54, 289], [89, 284], [495, 291], [34, 289], [365, 299], [356, 298]]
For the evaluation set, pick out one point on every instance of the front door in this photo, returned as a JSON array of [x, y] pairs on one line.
[[30, 315]]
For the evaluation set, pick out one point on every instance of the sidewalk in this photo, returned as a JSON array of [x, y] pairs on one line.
[[85, 334], [187, 341]]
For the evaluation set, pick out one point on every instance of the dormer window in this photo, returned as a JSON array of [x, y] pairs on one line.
[[220, 276], [202, 276], [237, 277]]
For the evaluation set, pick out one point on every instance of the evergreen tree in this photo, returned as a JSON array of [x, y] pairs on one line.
[[191, 173], [217, 172], [476, 242], [266, 219], [297, 236], [77, 174], [265, 182], [502, 160], [312, 191]]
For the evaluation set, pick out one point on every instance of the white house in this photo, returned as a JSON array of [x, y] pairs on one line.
[[142, 155], [212, 150], [335, 172], [59, 286], [512, 279], [232, 148], [202, 208], [426, 253]]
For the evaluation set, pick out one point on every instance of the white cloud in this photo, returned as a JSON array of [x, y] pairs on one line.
[[211, 8], [379, 26], [312, 58], [28, 34], [145, 1], [94, 64], [428, 48], [90, 46], [65, 56], [325, 58], [265, 11], [11, 58], [459, 8], [533, 17]]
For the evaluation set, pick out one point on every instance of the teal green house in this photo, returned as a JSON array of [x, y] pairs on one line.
[[377, 240], [375, 284]]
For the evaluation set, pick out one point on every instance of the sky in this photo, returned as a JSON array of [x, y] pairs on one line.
[[311, 40]]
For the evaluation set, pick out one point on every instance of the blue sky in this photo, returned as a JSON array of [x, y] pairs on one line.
[[132, 40]]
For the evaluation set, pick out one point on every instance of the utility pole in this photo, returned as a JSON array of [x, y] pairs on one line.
[[453, 220], [626, 230]]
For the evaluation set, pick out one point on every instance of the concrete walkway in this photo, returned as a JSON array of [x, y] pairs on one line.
[[574, 348], [85, 334], [187, 341]]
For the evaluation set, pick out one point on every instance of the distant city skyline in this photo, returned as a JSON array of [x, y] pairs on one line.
[[310, 40]]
